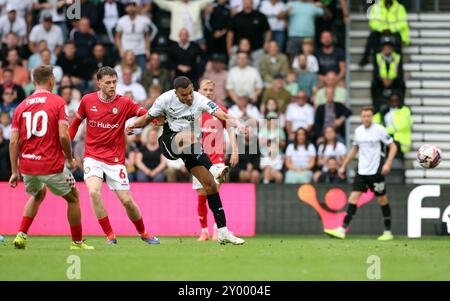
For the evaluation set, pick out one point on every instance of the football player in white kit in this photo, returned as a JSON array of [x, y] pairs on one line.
[[372, 168], [182, 108]]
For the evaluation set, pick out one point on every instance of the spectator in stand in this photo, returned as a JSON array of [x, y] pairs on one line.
[[72, 103], [127, 85], [329, 148], [340, 93], [57, 8], [9, 101], [109, 13], [155, 74], [278, 93], [238, 5], [273, 63], [247, 169], [35, 59], [70, 62], [243, 109], [24, 8], [12, 42], [387, 17], [46, 31], [8, 76], [300, 159], [185, 57], [387, 76], [306, 80], [89, 10], [154, 91], [128, 61], [302, 15], [292, 85], [14, 62], [244, 80], [99, 58], [11, 22], [252, 25], [271, 106], [216, 72], [330, 58], [46, 57], [150, 160], [299, 114], [331, 176], [5, 135], [312, 65], [272, 141], [84, 38], [185, 14], [398, 122], [133, 33], [216, 24], [274, 11], [331, 114], [243, 46]]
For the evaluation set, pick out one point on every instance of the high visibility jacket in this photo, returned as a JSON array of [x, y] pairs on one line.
[[400, 128], [394, 19], [390, 72]]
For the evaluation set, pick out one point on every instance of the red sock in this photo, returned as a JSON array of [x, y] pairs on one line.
[[106, 226], [202, 211], [139, 224], [77, 232], [26, 223]]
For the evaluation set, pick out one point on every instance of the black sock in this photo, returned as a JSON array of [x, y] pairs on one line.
[[215, 204], [386, 209], [351, 210]]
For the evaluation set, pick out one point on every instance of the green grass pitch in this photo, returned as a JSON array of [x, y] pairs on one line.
[[261, 258]]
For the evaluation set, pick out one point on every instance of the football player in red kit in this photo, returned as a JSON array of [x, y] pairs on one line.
[[40, 142], [106, 113], [213, 145]]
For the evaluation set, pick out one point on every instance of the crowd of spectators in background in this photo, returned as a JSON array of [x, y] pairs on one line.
[[278, 62]]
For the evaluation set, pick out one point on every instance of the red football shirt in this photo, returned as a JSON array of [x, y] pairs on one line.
[[212, 136], [105, 126], [37, 119]]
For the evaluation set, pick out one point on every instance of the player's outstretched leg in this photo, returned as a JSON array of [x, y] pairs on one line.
[[94, 186], [215, 204], [351, 211], [202, 210], [386, 211], [30, 211], [134, 214], [74, 218]]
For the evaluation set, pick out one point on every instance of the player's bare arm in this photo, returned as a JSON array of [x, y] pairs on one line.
[[65, 141], [234, 159], [350, 156], [14, 156], [391, 155], [231, 120]]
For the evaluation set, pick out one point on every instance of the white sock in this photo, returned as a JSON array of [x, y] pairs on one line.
[[387, 232], [223, 230], [205, 230], [266, 181], [215, 226], [342, 229]]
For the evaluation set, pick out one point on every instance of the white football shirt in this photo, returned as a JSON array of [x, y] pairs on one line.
[[369, 141], [180, 116]]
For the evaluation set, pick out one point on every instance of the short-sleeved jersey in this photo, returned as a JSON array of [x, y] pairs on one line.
[[212, 136], [369, 141], [105, 126], [37, 120], [180, 116]]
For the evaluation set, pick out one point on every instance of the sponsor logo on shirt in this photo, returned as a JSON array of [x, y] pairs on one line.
[[190, 118], [31, 156], [94, 109], [209, 130], [103, 125]]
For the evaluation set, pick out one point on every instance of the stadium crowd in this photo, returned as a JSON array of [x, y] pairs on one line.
[[280, 63]]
